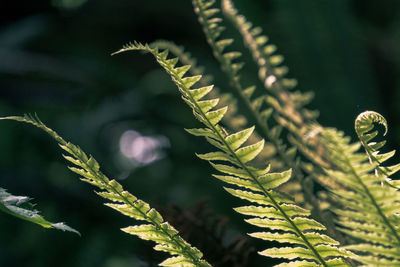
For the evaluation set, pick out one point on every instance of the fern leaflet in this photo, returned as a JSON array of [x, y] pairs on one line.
[[20, 207]]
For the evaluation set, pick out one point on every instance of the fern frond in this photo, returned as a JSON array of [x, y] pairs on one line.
[[274, 210], [258, 112], [369, 210], [232, 119], [212, 29], [286, 106], [364, 125], [270, 69], [156, 229], [20, 207]]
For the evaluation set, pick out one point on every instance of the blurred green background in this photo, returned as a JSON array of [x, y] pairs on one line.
[[55, 61]]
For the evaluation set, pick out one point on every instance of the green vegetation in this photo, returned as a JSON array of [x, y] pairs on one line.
[[317, 198]]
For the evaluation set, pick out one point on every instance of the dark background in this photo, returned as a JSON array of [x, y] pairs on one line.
[[55, 61]]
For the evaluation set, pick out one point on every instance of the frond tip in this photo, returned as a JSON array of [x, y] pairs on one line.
[[364, 126], [364, 122]]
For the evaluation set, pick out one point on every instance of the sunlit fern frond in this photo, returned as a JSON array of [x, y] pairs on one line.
[[368, 210], [232, 119], [286, 106], [156, 229], [286, 222], [364, 126], [22, 208]]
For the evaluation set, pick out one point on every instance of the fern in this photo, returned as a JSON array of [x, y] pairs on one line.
[[156, 229], [359, 188], [231, 119], [368, 209], [275, 211], [255, 106], [212, 29], [20, 207], [272, 77], [286, 106], [364, 126], [270, 70]]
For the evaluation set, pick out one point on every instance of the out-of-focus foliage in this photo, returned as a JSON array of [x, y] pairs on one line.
[[21, 207], [55, 61]]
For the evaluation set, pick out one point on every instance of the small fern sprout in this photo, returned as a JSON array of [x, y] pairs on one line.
[[364, 125]]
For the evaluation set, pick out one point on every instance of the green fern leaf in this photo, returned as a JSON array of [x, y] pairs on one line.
[[20, 207]]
